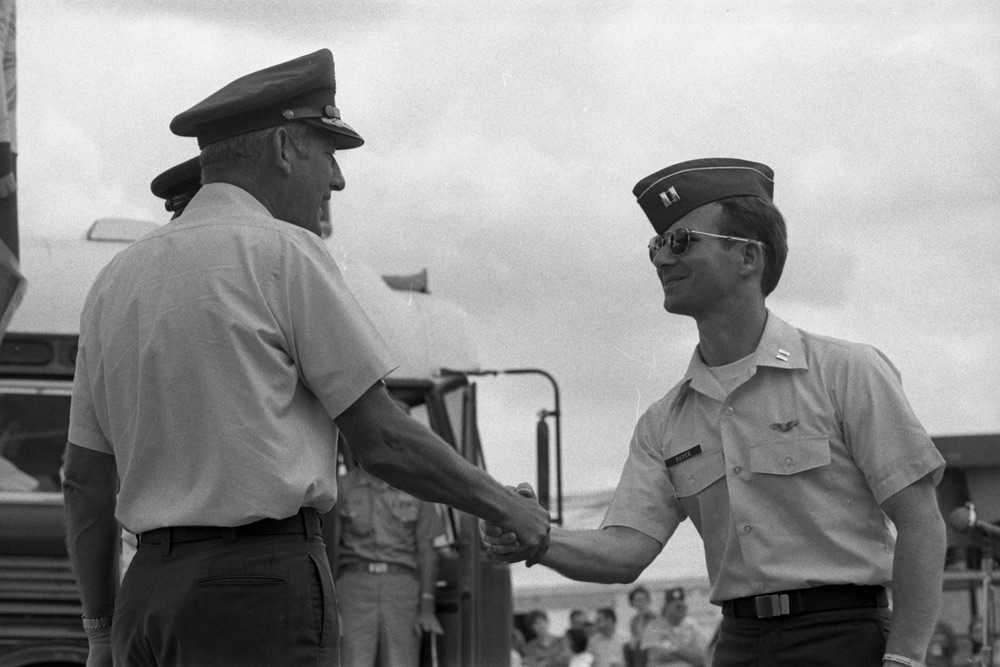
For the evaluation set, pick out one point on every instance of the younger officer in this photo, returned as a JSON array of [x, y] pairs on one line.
[[387, 571], [786, 449], [219, 356]]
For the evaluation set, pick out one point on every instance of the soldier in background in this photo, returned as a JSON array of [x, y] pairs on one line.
[[177, 185], [386, 571]]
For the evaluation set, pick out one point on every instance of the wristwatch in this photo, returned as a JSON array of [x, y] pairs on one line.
[[97, 623]]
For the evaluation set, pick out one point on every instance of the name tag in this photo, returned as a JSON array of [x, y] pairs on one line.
[[683, 456]]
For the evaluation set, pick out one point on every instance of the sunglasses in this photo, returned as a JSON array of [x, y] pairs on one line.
[[679, 241]]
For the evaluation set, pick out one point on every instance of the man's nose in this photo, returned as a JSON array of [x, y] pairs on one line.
[[337, 182], [664, 257]]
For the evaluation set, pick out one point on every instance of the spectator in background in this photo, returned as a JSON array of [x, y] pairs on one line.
[[544, 649], [606, 643], [517, 646], [576, 640], [674, 640], [638, 599], [578, 621]]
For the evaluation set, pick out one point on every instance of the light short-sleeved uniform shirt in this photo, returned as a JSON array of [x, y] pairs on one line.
[[607, 651], [381, 523], [214, 354], [783, 476]]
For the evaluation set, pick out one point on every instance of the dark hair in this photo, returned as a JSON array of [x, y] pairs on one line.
[[638, 589], [608, 613], [533, 616], [756, 218], [577, 640]]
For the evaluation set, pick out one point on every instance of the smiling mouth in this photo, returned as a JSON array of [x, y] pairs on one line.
[[671, 281]]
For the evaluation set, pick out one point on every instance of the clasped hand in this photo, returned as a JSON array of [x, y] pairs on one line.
[[527, 544]]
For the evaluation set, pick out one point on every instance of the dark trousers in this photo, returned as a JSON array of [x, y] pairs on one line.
[[248, 600], [842, 638]]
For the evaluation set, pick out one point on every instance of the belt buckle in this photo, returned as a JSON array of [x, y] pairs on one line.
[[769, 606], [378, 568]]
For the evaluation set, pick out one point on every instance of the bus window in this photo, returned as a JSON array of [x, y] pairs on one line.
[[33, 430]]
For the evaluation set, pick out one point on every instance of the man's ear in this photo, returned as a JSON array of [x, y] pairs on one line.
[[753, 259], [282, 149]]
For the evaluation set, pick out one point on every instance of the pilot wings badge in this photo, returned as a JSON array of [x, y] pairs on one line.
[[785, 427]]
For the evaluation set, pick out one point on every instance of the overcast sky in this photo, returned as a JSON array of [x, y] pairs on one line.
[[503, 140]]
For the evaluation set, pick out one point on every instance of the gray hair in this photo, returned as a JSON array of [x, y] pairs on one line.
[[243, 150]]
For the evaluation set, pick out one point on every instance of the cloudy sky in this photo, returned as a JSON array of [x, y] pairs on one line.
[[503, 141]]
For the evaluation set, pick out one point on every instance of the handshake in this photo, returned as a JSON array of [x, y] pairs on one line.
[[528, 540]]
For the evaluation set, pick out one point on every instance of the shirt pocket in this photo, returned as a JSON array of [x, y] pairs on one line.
[[697, 473], [355, 516], [790, 456], [405, 508]]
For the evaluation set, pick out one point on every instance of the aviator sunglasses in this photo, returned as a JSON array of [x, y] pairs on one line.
[[679, 241]]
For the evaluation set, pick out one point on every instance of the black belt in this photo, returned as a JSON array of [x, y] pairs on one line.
[[306, 522], [375, 567], [806, 600]]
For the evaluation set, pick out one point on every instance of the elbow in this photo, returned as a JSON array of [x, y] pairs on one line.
[[607, 571], [382, 455], [627, 574]]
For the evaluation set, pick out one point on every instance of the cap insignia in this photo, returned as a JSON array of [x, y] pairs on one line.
[[669, 196]]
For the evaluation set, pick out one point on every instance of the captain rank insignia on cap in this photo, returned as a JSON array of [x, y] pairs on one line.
[[669, 194], [300, 89]]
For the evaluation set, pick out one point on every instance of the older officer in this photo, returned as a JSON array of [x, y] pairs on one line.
[[786, 449], [218, 357]]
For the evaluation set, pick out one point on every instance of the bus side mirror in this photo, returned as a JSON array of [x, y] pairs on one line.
[[542, 459]]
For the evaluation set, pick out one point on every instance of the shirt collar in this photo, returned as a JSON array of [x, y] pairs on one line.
[[213, 195], [780, 346]]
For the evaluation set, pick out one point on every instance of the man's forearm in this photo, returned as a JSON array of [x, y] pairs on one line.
[[91, 529], [415, 460], [412, 458], [918, 567], [612, 555], [409, 456]]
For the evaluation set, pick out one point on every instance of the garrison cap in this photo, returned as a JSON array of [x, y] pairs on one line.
[[178, 184], [300, 89], [669, 194], [673, 594]]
